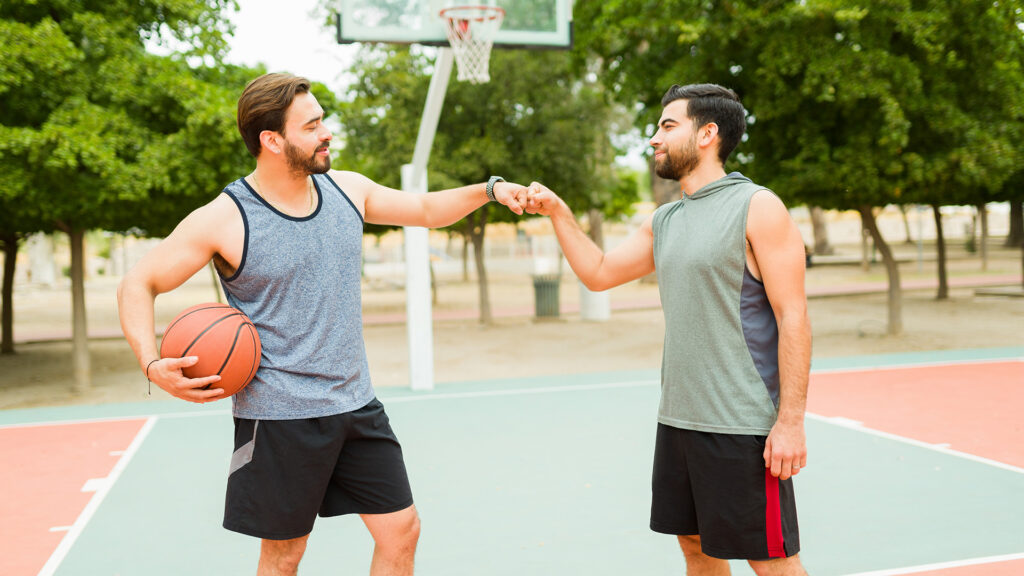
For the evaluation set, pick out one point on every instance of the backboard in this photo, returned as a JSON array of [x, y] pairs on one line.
[[531, 24]]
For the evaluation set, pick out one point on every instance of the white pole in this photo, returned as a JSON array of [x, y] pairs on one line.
[[432, 111], [418, 310]]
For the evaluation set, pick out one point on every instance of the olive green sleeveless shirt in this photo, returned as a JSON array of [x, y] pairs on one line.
[[720, 367]]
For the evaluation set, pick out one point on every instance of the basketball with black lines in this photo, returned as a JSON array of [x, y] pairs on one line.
[[222, 338]]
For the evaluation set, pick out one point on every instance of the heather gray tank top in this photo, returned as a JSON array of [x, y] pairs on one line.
[[720, 370], [299, 282]]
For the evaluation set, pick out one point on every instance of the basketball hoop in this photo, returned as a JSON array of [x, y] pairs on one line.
[[471, 31]]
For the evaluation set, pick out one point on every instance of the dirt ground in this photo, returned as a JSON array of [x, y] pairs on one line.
[[518, 345]]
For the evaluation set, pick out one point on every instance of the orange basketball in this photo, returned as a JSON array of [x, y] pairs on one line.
[[222, 338]]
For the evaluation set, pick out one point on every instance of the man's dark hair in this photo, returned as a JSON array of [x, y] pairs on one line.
[[707, 103], [263, 104]]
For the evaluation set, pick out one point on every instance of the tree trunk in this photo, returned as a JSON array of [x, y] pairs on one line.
[[596, 224], [216, 282], [466, 239], [867, 218], [433, 282], [983, 243], [79, 330], [1016, 235], [866, 250], [478, 225], [906, 223], [10, 244], [819, 226], [940, 245]]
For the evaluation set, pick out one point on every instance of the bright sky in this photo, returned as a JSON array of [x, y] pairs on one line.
[[285, 37]]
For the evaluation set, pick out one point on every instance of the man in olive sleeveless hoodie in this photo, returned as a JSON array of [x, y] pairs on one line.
[[730, 268], [311, 438]]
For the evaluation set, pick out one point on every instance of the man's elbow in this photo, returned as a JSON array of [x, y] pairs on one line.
[[596, 284], [794, 319]]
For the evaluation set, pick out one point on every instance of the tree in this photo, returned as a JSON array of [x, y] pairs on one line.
[[840, 93], [1013, 191], [966, 131], [14, 227], [542, 124], [88, 118]]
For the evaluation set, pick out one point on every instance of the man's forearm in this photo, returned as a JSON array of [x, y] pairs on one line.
[[135, 310], [794, 367], [447, 207], [583, 255]]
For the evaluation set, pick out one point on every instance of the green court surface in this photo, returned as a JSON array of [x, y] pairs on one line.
[[549, 476]]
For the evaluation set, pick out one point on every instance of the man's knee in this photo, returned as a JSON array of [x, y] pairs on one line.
[[400, 533], [410, 531], [690, 545], [282, 556]]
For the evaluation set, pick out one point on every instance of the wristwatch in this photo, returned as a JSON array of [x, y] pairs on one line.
[[490, 187]]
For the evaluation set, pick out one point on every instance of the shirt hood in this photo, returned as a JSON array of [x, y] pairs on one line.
[[730, 179]]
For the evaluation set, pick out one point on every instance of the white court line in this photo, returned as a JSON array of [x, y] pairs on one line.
[[523, 391], [413, 398], [941, 448], [105, 419], [94, 503], [520, 391], [98, 419], [913, 365], [941, 565]]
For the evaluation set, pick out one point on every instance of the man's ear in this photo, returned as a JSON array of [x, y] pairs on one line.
[[271, 141], [707, 133]]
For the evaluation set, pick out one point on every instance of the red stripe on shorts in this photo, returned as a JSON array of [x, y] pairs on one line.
[[773, 516]]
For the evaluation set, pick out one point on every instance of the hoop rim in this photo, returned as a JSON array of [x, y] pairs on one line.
[[489, 12]]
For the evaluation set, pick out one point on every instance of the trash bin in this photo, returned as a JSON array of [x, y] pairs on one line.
[[545, 293]]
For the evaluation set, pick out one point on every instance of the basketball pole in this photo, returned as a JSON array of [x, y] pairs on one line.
[[418, 309]]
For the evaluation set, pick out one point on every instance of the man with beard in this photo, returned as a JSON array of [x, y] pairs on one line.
[[730, 268], [310, 436]]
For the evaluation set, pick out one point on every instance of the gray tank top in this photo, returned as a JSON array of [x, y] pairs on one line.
[[720, 370], [299, 282]]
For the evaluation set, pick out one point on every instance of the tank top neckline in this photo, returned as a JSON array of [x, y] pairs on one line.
[[310, 216]]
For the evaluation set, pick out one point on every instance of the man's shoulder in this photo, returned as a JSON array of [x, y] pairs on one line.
[[214, 213], [347, 177]]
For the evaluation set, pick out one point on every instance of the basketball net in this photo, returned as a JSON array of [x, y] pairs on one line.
[[471, 31]]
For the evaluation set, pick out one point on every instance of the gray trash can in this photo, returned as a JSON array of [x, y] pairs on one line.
[[545, 292]]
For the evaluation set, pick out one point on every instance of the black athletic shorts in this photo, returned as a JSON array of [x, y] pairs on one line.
[[285, 472], [716, 485]]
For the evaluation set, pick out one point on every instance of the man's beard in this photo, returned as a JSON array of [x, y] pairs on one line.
[[679, 165], [306, 165]]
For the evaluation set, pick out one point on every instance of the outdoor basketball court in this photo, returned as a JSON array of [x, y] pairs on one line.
[[916, 467]]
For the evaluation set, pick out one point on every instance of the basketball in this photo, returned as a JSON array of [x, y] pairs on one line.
[[222, 338]]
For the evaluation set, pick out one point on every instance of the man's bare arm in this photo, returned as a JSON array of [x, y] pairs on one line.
[[779, 251], [173, 261], [632, 259], [383, 205]]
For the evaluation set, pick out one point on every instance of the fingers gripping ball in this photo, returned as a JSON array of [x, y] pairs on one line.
[[222, 338]]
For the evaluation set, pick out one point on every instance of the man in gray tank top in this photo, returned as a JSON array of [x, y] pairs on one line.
[[310, 436], [730, 268]]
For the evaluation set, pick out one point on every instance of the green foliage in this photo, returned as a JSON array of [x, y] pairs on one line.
[[95, 132], [533, 121], [851, 103]]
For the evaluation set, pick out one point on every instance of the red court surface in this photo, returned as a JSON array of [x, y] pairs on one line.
[[1012, 568], [57, 461], [973, 407]]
